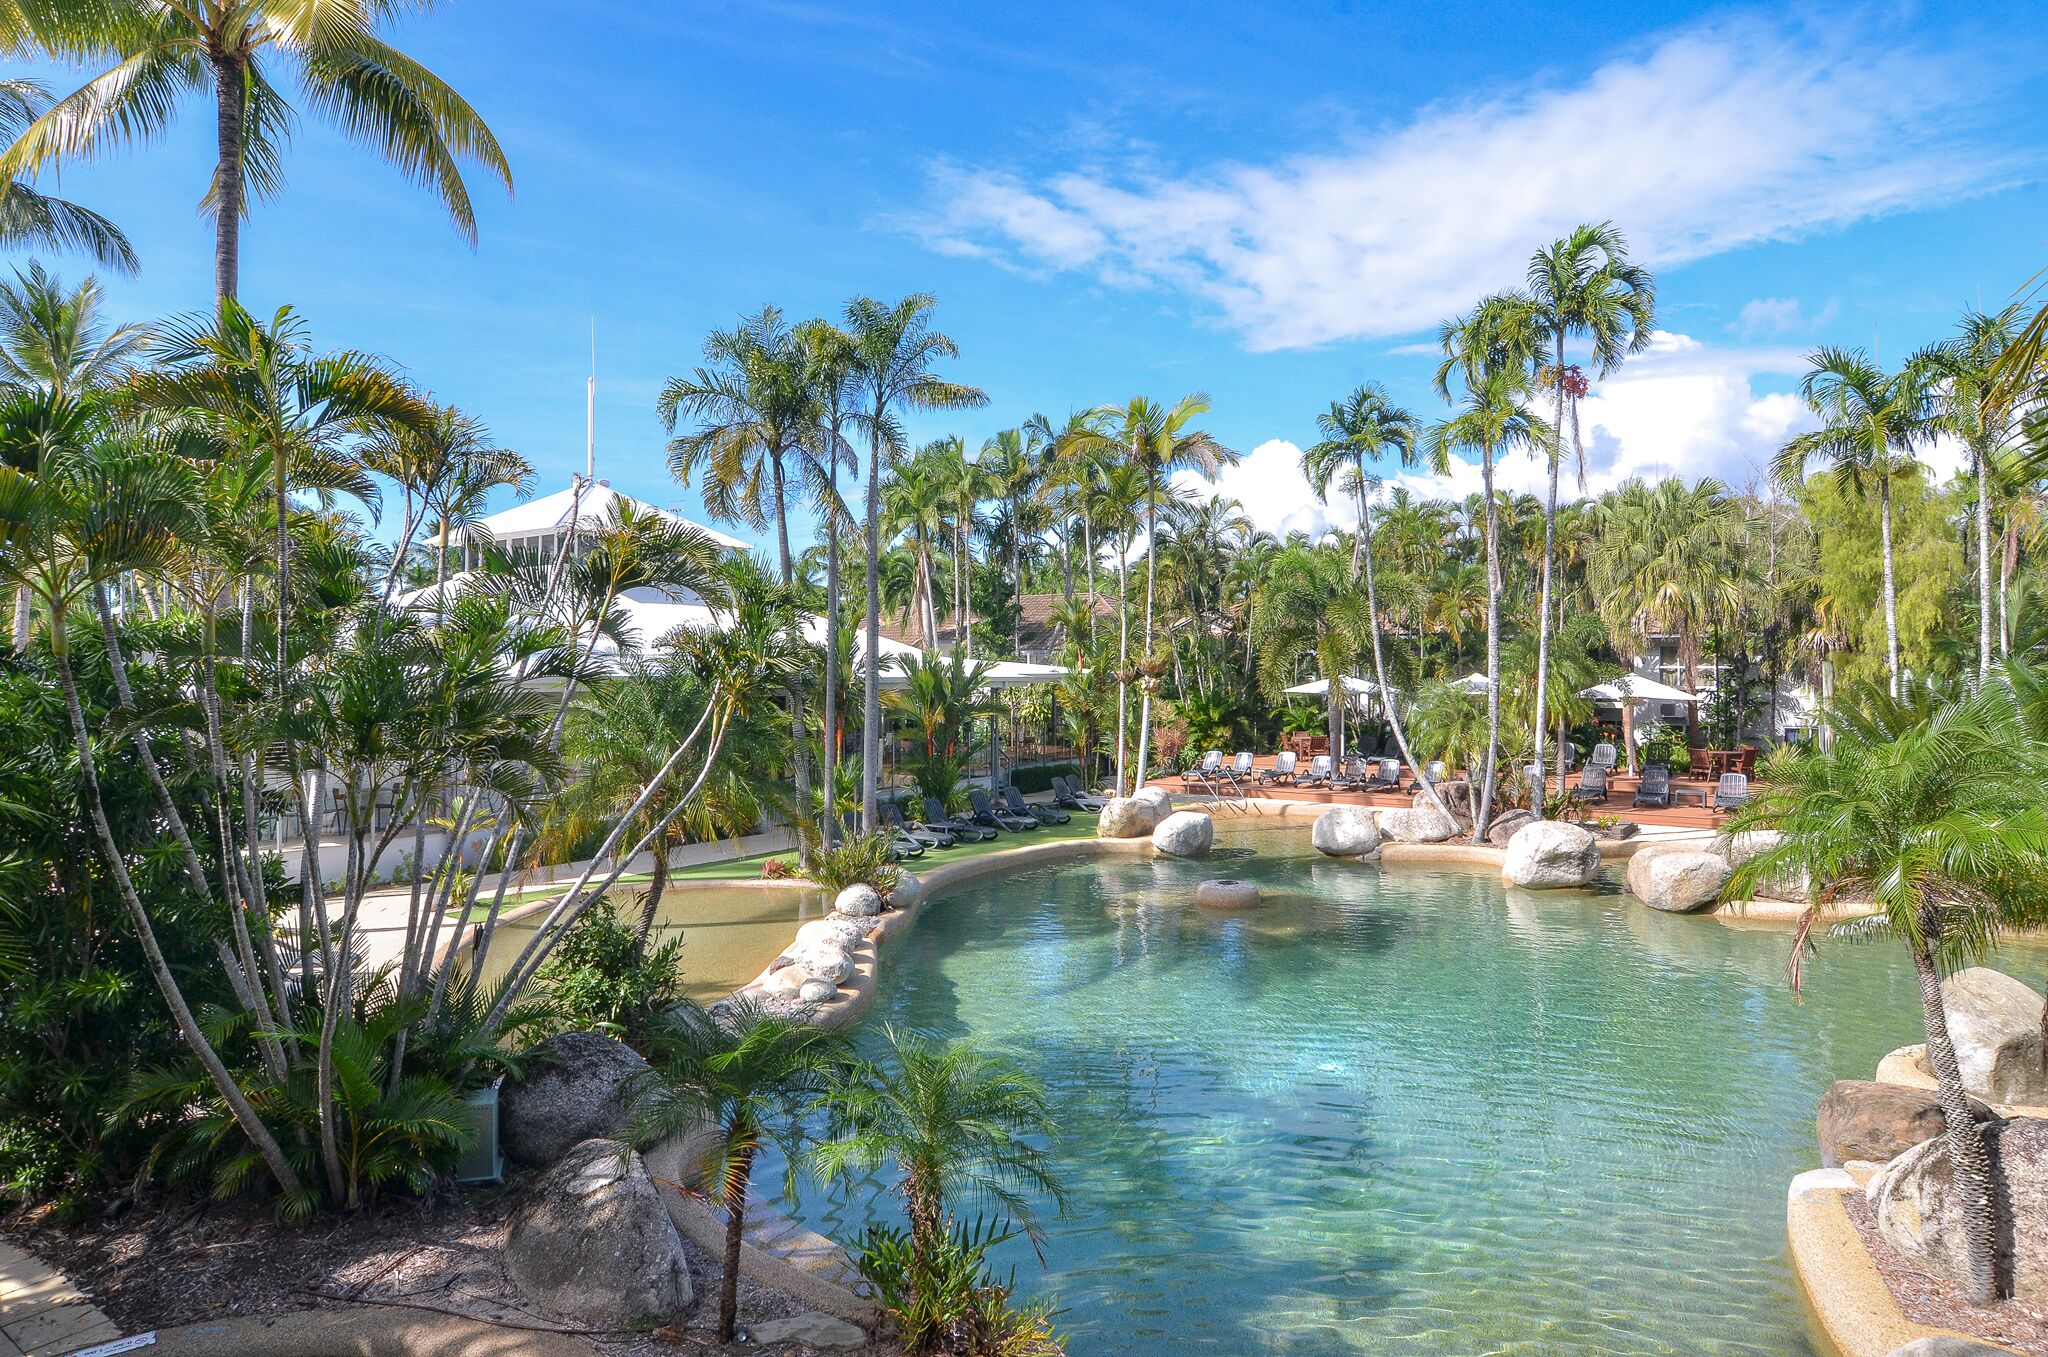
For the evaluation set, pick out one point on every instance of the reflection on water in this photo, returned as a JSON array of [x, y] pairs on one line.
[[729, 932], [1400, 1110]]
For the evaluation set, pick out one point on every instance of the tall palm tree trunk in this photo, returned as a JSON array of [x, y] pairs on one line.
[[1123, 663], [1983, 564], [871, 679], [1379, 659], [1088, 545], [829, 744], [1482, 811], [1016, 584], [229, 79], [1891, 591], [1961, 1136], [24, 611], [1151, 576], [801, 766], [1543, 604]]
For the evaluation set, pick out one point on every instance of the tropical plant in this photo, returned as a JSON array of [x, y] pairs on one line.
[[603, 975], [893, 351], [242, 54], [950, 1301], [752, 1075], [1930, 810], [955, 1122], [857, 860]]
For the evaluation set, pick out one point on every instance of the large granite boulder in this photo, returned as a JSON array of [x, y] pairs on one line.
[[909, 892], [1457, 798], [858, 901], [1508, 824], [834, 931], [1677, 880], [592, 1239], [1864, 1119], [1346, 832], [1160, 799], [1126, 817], [574, 1087], [1995, 1023], [1920, 1214], [1184, 834], [810, 1329], [1784, 885], [1425, 824], [1550, 855]]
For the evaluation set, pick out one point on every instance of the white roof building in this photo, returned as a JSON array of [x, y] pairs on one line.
[[536, 528]]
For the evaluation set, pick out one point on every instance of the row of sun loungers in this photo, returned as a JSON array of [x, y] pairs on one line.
[[989, 815]]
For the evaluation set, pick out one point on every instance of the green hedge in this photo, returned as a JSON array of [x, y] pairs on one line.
[[1039, 779]]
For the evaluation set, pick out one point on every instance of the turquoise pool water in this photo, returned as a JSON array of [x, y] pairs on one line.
[[1397, 1110]]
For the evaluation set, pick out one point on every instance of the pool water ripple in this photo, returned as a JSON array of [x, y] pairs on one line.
[[1398, 1110]]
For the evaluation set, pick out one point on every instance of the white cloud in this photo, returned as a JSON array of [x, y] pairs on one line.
[[1268, 482], [1719, 136], [1771, 317]]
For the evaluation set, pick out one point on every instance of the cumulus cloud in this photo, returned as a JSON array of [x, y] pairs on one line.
[[1718, 136], [1772, 317], [1681, 408]]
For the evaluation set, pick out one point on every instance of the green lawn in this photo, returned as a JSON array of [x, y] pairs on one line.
[[740, 869]]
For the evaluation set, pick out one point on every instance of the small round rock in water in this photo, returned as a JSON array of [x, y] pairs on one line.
[[818, 992], [1184, 834], [859, 900], [1227, 894]]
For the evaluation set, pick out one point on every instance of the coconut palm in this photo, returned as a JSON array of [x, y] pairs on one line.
[[961, 477], [1581, 287], [1366, 425], [894, 351], [1011, 466], [752, 1075], [1113, 497], [242, 54], [758, 410], [29, 218], [1935, 818], [955, 1122], [1494, 418], [1964, 368], [1871, 422], [830, 361], [1158, 440], [915, 502]]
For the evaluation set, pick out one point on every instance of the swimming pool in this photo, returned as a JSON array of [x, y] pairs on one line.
[[1399, 1110]]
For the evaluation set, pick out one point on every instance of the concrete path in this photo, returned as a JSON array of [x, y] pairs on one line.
[[42, 1313]]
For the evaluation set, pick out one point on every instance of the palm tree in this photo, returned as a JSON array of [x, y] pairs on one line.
[[1586, 286], [750, 1073], [1010, 466], [29, 218], [1367, 424], [830, 360], [1667, 558], [1114, 498], [1494, 418], [237, 53], [1871, 423], [758, 409], [1971, 410], [954, 1121], [55, 343], [894, 351], [1158, 441], [1935, 819], [915, 500], [963, 482]]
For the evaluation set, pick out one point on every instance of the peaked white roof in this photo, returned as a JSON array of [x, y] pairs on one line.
[[1636, 688], [550, 514]]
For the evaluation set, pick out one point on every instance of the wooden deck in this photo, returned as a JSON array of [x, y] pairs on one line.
[[1621, 793]]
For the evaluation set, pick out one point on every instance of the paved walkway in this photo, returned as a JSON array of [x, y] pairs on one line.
[[42, 1313]]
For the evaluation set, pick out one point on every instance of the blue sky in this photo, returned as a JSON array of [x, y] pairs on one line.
[[1267, 203]]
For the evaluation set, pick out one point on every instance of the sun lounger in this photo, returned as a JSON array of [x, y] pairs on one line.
[[1281, 771], [1730, 793], [1592, 785], [986, 813], [957, 825], [892, 820], [1318, 774], [1014, 802], [1654, 792], [1203, 774]]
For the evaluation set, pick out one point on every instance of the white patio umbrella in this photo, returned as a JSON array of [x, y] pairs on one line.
[[1625, 690], [1636, 688], [1474, 682], [1355, 686], [1018, 674]]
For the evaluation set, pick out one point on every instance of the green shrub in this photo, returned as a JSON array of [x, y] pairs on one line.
[[599, 976], [951, 1302], [860, 860]]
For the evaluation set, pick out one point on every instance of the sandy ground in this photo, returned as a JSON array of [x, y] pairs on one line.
[[1938, 1303], [180, 1262]]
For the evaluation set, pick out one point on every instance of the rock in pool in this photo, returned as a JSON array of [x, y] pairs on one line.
[[1346, 832], [1227, 893], [1550, 855], [1184, 834]]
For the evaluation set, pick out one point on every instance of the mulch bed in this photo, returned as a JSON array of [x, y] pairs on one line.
[[1939, 1303], [172, 1262]]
